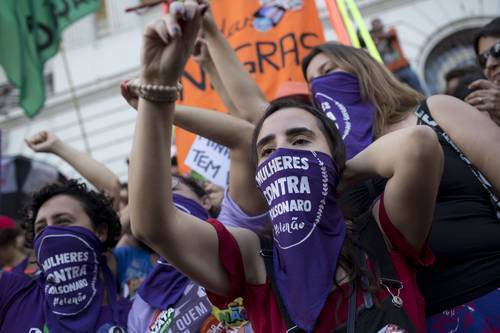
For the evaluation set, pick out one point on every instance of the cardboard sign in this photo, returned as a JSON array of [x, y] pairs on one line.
[[210, 160], [270, 38]]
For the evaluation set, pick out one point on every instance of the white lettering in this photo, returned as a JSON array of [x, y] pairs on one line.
[[286, 185], [67, 273], [64, 258], [288, 227], [67, 288], [288, 206], [191, 315], [281, 163]]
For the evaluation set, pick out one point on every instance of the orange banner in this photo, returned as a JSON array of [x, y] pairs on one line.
[[270, 38]]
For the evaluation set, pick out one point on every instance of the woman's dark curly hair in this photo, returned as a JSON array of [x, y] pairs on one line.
[[96, 205]]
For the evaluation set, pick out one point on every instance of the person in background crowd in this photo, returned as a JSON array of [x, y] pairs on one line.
[[466, 275], [453, 77], [71, 229], [175, 166], [12, 253], [462, 90], [167, 300], [227, 261], [123, 195], [390, 50], [96, 173], [216, 195], [134, 260], [486, 93]]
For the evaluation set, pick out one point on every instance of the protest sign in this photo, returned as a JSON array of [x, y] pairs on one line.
[[269, 40], [209, 159]]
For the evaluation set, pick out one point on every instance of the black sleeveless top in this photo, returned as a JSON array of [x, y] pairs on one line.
[[465, 237], [465, 234]]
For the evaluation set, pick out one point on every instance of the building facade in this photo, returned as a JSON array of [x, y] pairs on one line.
[[103, 49]]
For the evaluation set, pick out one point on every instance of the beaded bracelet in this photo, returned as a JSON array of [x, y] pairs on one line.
[[154, 92]]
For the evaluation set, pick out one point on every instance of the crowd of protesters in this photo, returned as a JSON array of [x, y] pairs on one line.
[[387, 221]]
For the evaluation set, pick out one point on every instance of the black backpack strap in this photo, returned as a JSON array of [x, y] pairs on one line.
[[266, 251], [352, 308], [425, 118], [367, 296], [372, 239]]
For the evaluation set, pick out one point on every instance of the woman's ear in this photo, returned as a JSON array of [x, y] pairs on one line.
[[102, 233]]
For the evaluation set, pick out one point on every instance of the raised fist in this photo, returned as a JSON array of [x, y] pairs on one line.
[[169, 42], [43, 141]]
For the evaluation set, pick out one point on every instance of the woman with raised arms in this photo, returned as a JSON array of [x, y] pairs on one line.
[[323, 274]]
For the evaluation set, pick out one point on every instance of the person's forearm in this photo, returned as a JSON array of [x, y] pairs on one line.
[[221, 128], [237, 135], [93, 171], [150, 191], [248, 98], [215, 79], [388, 154], [412, 160]]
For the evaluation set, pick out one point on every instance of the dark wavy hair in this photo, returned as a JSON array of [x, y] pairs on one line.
[[194, 185], [96, 205], [349, 258], [492, 29]]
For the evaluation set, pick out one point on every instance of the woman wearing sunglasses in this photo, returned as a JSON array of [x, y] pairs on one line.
[[486, 96]]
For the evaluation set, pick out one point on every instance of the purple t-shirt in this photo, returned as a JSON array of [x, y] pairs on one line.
[[21, 310], [231, 215]]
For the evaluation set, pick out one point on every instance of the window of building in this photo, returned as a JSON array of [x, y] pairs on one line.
[[453, 51]]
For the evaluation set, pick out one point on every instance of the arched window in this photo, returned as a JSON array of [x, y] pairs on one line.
[[454, 50]]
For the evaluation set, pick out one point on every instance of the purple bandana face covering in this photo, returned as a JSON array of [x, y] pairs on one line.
[[189, 206], [308, 228], [70, 259], [164, 286], [339, 96]]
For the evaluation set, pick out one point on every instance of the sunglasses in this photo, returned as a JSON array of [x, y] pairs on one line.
[[493, 51]]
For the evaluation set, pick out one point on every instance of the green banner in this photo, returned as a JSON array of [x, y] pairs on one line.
[[30, 34]]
